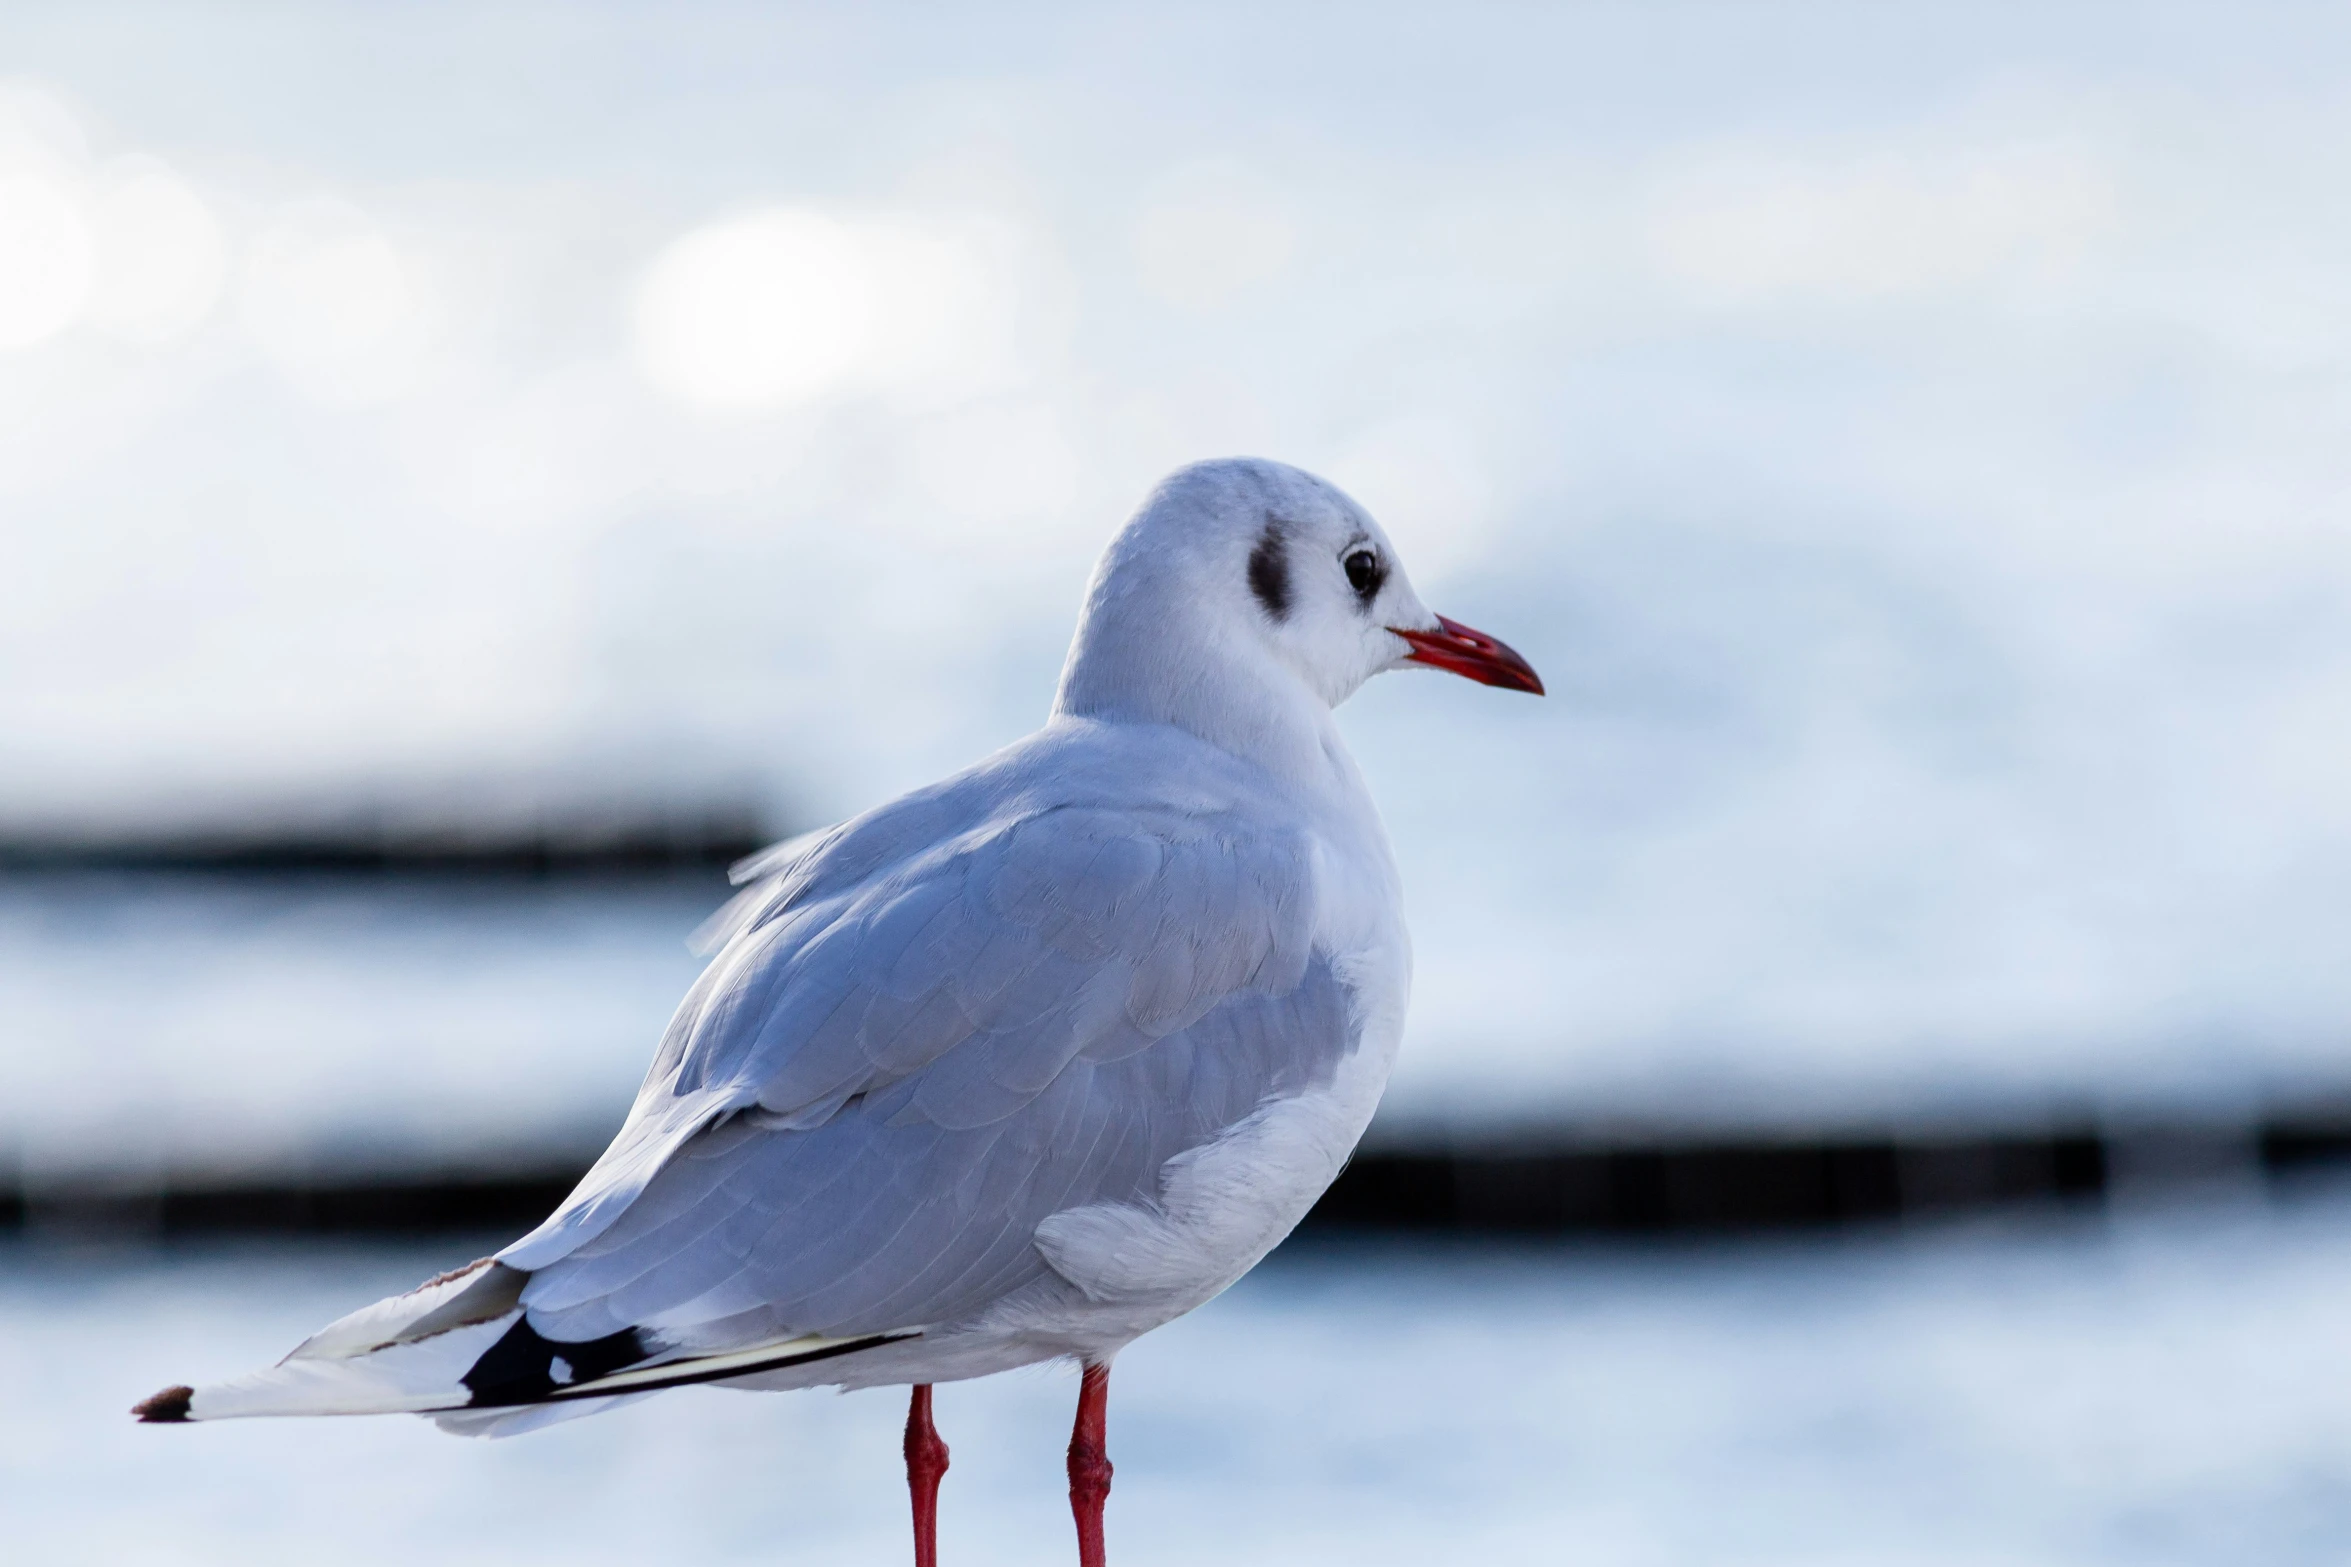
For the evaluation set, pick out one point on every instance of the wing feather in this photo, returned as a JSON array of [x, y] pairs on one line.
[[931, 1029]]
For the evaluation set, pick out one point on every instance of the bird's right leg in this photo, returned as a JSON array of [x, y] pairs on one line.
[[926, 1464], [1089, 1463]]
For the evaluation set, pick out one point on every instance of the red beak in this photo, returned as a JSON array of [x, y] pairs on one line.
[[1470, 652]]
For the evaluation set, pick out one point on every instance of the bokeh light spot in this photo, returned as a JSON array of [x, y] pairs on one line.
[[46, 258], [761, 311]]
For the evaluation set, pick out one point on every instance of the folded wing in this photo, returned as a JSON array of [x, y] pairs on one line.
[[924, 1036]]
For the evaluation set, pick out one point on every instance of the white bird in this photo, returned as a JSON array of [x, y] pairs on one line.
[[1015, 1068]]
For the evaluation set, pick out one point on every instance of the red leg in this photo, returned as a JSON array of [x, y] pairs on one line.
[[1089, 1464], [926, 1463]]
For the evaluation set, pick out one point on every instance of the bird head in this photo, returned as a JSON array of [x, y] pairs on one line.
[[1241, 566]]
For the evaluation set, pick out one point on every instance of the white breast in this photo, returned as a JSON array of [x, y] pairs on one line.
[[1227, 1203]]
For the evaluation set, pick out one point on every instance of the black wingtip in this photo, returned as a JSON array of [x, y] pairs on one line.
[[167, 1408]]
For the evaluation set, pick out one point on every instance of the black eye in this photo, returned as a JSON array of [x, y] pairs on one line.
[[1365, 574]]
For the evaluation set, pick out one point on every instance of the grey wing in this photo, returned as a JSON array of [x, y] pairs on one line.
[[903, 1075]]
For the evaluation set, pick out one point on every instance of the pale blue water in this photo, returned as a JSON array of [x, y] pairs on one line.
[[2170, 1390]]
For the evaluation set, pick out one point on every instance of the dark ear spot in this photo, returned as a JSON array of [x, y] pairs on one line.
[[1269, 572]]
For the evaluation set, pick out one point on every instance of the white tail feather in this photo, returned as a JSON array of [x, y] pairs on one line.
[[411, 1354], [403, 1355]]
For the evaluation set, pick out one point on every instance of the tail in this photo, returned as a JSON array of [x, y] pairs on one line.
[[460, 1349]]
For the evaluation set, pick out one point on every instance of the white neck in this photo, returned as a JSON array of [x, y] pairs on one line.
[[1264, 714], [1221, 688]]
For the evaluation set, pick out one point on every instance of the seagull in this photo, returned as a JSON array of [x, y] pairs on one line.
[[1012, 1069]]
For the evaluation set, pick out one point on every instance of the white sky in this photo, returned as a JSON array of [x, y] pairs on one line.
[[1912, 444]]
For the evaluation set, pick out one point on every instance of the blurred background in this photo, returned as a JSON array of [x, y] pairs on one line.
[[1882, 1035]]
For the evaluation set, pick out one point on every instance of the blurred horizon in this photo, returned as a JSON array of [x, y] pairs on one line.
[[1910, 443]]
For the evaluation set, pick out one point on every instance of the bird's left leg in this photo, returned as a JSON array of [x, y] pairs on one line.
[[926, 1464], [1089, 1463]]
